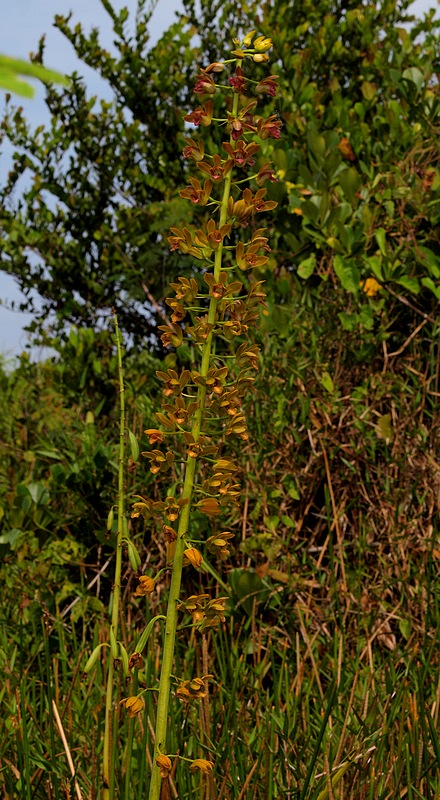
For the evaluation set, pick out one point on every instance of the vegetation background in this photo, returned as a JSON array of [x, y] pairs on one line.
[[326, 674]]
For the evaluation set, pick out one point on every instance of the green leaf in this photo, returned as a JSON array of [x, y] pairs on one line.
[[429, 283], [366, 317], [91, 661], [349, 322], [10, 83], [374, 263], [10, 68], [414, 75], [307, 267], [272, 523], [384, 427], [293, 492], [11, 537], [350, 182], [40, 762], [380, 236], [327, 382], [124, 658], [134, 446], [316, 144], [145, 635], [430, 260], [347, 273], [412, 284], [39, 494], [405, 628], [368, 90]]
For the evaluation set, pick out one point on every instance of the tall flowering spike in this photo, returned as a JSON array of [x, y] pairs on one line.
[[213, 314]]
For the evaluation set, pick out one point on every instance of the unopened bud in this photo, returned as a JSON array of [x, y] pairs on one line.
[[194, 556]]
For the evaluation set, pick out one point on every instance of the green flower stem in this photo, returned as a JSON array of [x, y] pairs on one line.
[[184, 520], [108, 791]]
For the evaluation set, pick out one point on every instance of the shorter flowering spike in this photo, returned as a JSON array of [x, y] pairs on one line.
[[215, 396]]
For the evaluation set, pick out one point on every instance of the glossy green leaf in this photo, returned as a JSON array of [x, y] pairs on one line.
[[307, 267]]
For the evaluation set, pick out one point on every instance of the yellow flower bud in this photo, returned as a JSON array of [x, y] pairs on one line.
[[247, 41], [133, 705], [194, 556], [146, 586], [164, 764], [261, 44], [201, 765], [259, 58], [371, 287]]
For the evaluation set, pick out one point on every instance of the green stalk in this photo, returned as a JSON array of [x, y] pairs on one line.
[[184, 520], [108, 778], [23, 745], [128, 787], [50, 707]]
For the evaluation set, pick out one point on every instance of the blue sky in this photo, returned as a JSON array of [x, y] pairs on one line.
[[21, 28]]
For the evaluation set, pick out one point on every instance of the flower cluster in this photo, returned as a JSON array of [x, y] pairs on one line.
[[194, 689], [214, 314]]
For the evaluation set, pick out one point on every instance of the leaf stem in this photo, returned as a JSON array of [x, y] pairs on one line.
[[108, 791]]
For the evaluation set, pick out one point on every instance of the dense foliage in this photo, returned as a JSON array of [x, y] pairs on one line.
[[357, 164]]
